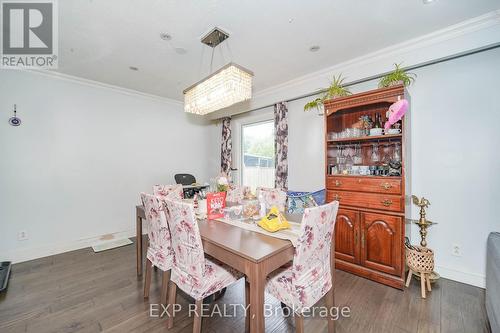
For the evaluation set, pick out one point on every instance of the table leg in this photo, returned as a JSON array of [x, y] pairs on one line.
[[138, 245], [257, 284], [247, 304]]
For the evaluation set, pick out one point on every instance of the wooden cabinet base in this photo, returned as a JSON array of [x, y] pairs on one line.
[[387, 279]]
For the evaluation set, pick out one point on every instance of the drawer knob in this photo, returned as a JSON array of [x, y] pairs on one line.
[[337, 197], [338, 182], [386, 202], [386, 185]]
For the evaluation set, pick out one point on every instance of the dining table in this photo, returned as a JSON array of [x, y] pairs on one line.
[[252, 253]]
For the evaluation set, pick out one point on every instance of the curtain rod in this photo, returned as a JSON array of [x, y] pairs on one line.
[[408, 68]]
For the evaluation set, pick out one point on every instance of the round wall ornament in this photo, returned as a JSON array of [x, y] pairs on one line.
[[15, 121]]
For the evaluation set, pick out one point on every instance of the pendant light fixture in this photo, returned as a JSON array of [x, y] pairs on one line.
[[226, 86]]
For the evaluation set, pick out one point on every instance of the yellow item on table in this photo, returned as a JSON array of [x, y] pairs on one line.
[[274, 221]]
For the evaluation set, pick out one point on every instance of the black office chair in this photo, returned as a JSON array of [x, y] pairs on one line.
[[184, 179]]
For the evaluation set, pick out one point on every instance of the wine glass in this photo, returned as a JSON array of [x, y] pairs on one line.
[[237, 210], [375, 157], [338, 154], [397, 152], [358, 159], [349, 161], [385, 154]]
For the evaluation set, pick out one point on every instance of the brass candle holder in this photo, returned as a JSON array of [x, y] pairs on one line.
[[422, 223]]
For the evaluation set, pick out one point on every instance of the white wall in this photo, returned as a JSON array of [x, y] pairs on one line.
[[455, 143], [455, 160], [74, 169]]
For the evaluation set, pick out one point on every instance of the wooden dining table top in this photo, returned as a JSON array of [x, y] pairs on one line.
[[249, 244]]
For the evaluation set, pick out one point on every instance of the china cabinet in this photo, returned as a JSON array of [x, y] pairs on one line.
[[368, 175]]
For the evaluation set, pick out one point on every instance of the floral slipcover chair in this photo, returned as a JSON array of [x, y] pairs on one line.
[[164, 191], [272, 197], [196, 275], [309, 277], [192, 272], [160, 252]]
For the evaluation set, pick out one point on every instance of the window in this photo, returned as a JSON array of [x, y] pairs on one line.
[[257, 160]]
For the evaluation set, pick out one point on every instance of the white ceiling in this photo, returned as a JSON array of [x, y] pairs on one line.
[[100, 39]]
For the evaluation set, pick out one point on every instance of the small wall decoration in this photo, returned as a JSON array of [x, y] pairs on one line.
[[15, 121]]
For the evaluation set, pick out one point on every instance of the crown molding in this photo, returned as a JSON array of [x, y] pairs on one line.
[[467, 35], [97, 84], [460, 29]]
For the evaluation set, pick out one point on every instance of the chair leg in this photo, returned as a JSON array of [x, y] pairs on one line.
[[428, 279], [422, 284], [164, 286], [408, 279], [172, 291], [247, 303], [197, 316], [330, 303], [147, 278], [299, 323]]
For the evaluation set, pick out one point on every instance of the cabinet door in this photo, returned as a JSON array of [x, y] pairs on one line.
[[381, 242], [347, 235]]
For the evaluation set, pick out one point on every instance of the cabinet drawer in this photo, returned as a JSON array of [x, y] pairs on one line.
[[365, 184], [367, 200]]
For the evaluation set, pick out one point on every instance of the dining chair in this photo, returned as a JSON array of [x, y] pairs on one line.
[[309, 278], [236, 193], [160, 253], [163, 191], [272, 197], [194, 274]]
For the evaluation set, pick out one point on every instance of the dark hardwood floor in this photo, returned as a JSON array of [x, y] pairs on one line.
[[81, 291]]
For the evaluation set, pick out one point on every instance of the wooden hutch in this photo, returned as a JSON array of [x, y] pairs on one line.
[[370, 226]]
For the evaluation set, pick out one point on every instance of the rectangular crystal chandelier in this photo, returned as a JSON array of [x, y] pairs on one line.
[[227, 86]]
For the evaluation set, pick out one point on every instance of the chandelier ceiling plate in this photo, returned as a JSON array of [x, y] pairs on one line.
[[214, 37]]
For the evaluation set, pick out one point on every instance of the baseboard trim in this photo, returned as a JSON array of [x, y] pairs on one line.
[[473, 279], [26, 254]]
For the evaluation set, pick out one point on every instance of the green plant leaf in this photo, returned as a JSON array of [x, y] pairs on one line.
[[315, 104], [335, 89], [398, 75]]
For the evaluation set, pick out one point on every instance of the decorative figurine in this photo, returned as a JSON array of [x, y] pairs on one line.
[[394, 168]]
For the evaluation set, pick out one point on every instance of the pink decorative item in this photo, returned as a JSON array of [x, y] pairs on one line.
[[396, 112]]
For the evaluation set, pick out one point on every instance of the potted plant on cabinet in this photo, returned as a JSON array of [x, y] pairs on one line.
[[336, 89], [398, 76]]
